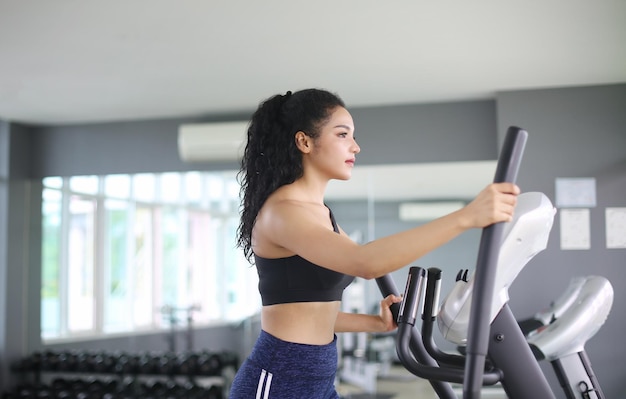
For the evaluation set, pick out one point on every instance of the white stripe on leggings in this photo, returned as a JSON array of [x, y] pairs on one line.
[[267, 379]]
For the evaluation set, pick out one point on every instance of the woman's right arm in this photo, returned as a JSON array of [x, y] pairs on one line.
[[303, 234]]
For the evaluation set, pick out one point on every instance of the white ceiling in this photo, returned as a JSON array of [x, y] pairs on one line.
[[73, 61], [69, 61]]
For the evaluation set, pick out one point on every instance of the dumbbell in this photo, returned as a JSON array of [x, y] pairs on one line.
[[188, 363], [167, 364], [127, 364], [49, 360], [148, 364], [67, 361], [103, 362], [209, 364]]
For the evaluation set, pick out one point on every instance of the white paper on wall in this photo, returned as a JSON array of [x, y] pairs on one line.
[[615, 219], [577, 192], [575, 229]]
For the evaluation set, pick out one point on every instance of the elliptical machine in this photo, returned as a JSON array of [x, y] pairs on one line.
[[476, 314]]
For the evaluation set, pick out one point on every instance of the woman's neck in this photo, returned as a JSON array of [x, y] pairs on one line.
[[307, 190]]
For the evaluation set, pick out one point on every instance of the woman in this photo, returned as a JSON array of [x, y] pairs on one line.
[[296, 144]]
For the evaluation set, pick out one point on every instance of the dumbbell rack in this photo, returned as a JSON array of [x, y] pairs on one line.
[[121, 375]]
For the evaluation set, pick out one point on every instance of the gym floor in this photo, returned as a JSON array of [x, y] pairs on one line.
[[400, 384]]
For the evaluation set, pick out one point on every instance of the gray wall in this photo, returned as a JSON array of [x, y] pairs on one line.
[[4, 213], [446, 132], [421, 133], [574, 132], [19, 251], [577, 132], [109, 148]]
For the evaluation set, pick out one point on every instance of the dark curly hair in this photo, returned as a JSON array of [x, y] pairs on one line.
[[271, 158]]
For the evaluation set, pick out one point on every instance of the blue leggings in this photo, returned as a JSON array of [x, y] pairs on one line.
[[277, 369]]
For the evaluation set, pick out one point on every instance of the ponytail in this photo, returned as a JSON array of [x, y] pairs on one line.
[[271, 158]]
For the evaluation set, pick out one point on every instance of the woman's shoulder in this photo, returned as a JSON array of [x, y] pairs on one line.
[[283, 223], [286, 207]]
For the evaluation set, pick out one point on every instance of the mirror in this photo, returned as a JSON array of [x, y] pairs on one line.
[[370, 205], [414, 182]]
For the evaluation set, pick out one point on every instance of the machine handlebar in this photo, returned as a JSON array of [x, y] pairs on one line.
[[478, 330]]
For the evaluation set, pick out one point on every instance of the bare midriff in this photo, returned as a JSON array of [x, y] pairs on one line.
[[310, 323]]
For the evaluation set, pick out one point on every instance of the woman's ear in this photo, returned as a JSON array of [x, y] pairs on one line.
[[303, 142]]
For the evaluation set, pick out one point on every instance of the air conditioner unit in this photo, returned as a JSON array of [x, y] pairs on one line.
[[220, 141]]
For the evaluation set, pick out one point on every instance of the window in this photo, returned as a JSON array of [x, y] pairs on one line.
[[80, 266], [51, 260], [118, 249]]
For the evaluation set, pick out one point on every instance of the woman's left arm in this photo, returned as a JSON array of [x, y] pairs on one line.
[[356, 322]]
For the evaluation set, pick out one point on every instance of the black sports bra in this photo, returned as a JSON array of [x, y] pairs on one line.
[[295, 279]]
